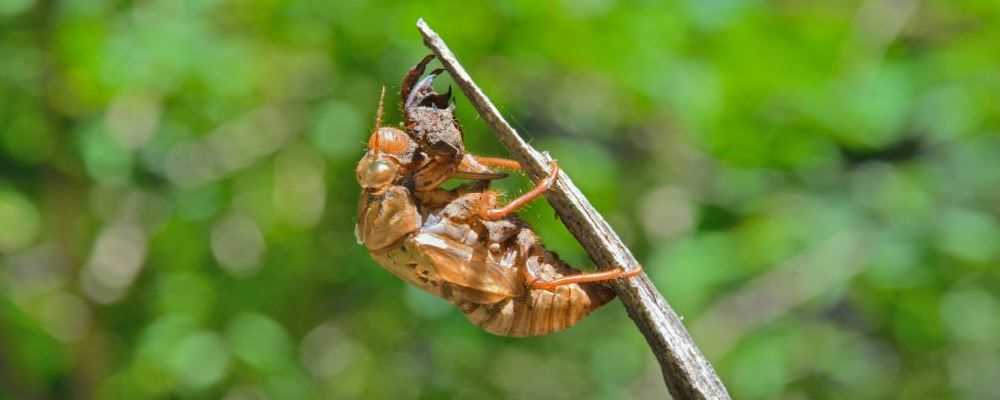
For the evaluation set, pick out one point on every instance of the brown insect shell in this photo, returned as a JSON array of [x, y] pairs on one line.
[[499, 250], [472, 263], [386, 211], [389, 158], [445, 248], [430, 120], [386, 217]]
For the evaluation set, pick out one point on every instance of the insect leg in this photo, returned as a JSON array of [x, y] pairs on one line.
[[534, 193], [603, 276], [497, 162], [470, 167]]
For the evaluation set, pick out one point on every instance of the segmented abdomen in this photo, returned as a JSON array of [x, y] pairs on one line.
[[538, 312], [481, 273]]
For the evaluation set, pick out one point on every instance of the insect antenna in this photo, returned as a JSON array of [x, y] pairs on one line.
[[378, 114], [373, 143]]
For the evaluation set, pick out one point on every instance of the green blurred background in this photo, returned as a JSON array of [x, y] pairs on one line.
[[815, 186]]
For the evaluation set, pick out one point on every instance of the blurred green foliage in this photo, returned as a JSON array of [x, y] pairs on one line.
[[814, 186]]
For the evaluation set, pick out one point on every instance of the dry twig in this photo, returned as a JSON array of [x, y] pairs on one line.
[[686, 371]]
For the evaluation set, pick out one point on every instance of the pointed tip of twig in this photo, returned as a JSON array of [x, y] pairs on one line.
[[425, 30]]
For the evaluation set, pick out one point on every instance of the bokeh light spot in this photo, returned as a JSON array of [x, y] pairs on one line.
[[238, 245], [326, 351], [259, 341], [299, 189], [117, 257], [132, 119], [20, 221], [65, 316], [106, 160], [667, 212], [200, 360], [338, 131], [970, 314], [969, 235]]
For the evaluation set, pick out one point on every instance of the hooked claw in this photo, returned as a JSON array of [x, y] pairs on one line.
[[412, 75], [429, 116], [438, 100], [423, 94]]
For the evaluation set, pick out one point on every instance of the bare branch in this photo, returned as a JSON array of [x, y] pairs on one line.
[[686, 371]]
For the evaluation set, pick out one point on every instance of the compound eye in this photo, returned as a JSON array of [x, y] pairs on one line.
[[380, 171]]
